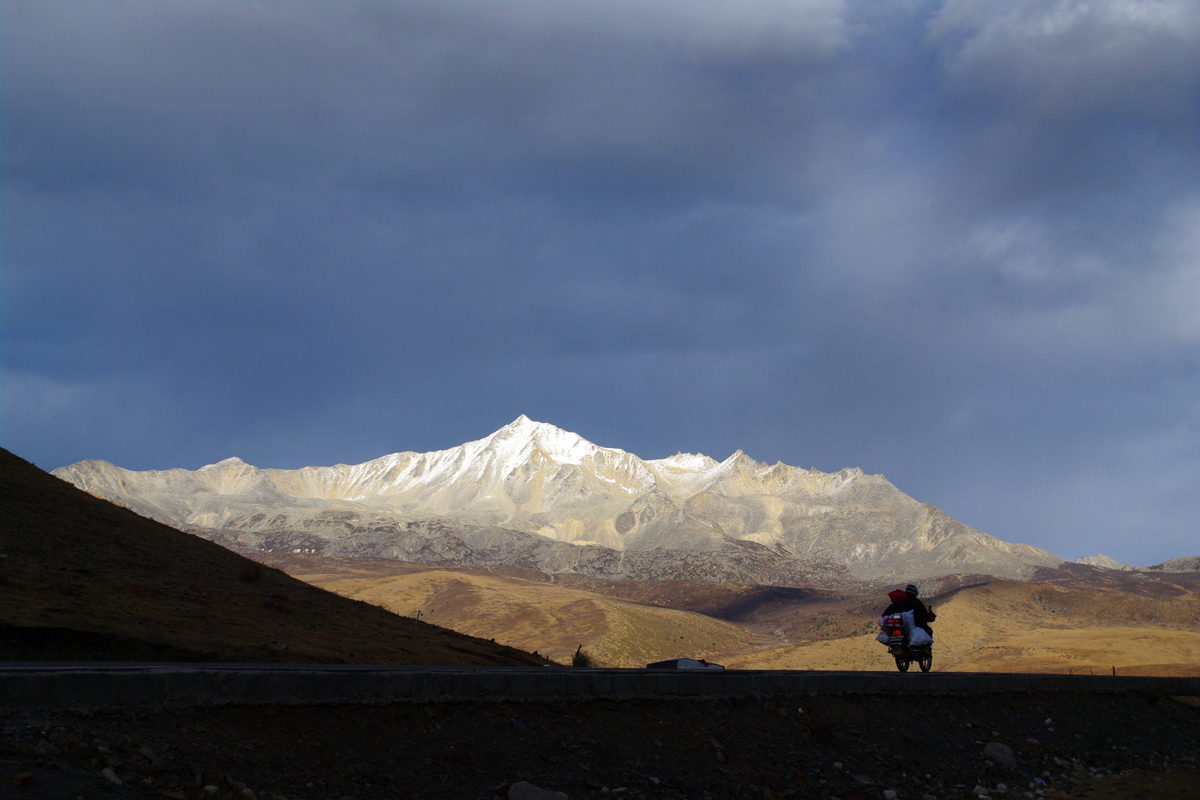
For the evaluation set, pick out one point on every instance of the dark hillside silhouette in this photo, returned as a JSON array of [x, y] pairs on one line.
[[83, 579]]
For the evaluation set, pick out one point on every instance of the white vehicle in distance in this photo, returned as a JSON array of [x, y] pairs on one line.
[[683, 663]]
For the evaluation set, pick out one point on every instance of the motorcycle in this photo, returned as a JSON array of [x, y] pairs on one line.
[[899, 648]]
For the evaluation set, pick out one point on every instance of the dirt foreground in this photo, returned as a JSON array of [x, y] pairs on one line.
[[1016, 744]]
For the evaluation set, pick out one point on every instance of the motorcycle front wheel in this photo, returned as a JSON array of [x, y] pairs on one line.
[[925, 662], [902, 664]]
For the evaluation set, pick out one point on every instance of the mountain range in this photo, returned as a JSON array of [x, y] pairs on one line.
[[534, 496]]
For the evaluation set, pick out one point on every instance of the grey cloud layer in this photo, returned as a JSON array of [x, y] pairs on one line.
[[953, 242]]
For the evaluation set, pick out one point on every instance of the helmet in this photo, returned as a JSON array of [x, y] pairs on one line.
[[910, 589]]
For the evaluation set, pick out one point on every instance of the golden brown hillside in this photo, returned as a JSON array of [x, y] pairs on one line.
[[83, 579], [1138, 624], [1137, 627], [529, 614]]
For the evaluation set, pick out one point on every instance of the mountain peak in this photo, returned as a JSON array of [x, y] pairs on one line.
[[525, 426], [1103, 562], [518, 440], [686, 462], [232, 461], [739, 458]]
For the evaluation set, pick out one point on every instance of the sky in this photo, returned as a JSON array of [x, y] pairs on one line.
[[955, 242]]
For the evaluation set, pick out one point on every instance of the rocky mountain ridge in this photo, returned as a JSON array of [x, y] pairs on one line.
[[533, 495], [1101, 561], [1184, 564]]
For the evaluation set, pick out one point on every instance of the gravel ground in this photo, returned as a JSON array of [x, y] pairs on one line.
[[805, 746]]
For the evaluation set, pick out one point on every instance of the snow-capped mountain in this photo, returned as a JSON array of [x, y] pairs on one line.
[[534, 495], [1101, 561]]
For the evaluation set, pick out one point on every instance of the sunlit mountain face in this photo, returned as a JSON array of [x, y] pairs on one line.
[[533, 495]]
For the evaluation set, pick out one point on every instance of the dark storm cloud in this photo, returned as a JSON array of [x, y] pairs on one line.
[[953, 242]]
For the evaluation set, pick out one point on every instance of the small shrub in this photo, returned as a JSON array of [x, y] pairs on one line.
[[581, 659]]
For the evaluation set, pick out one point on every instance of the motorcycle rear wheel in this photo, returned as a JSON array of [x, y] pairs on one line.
[[902, 664]]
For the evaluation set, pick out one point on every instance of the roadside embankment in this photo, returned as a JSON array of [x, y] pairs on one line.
[[62, 685], [453, 734]]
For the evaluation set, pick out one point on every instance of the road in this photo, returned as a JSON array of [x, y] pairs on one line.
[[58, 685]]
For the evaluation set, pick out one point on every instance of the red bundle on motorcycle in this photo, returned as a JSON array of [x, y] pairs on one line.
[[894, 627]]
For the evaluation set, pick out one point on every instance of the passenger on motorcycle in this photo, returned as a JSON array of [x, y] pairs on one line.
[[906, 600]]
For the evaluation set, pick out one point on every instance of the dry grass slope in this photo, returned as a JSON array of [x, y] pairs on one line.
[[526, 614], [1011, 626], [1147, 627]]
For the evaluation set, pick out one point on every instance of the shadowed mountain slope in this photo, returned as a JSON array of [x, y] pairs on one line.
[[82, 579]]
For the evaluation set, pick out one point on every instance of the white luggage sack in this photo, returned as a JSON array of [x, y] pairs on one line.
[[916, 637]]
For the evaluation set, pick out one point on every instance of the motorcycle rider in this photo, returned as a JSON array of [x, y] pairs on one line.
[[907, 601]]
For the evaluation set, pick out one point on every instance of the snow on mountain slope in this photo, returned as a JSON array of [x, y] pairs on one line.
[[532, 478], [1102, 561]]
